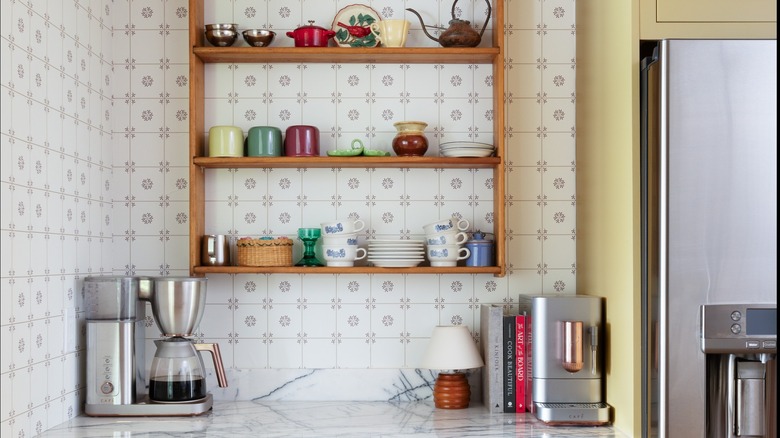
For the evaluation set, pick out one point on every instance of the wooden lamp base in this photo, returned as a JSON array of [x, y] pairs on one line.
[[451, 391]]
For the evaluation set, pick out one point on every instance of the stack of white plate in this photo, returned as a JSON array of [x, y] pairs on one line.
[[395, 253], [466, 149]]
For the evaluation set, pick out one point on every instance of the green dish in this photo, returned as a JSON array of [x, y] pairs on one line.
[[356, 149], [345, 152], [375, 153]]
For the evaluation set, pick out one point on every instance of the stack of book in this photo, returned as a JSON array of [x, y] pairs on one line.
[[506, 347]]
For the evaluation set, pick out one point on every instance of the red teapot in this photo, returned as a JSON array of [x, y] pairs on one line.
[[311, 35]]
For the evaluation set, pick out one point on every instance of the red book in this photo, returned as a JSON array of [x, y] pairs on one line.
[[520, 364]]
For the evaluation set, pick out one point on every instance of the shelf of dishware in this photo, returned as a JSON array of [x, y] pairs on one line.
[[346, 162], [345, 55], [201, 53], [203, 270]]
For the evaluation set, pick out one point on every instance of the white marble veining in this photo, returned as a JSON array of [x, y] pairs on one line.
[[286, 384], [327, 419], [361, 403]]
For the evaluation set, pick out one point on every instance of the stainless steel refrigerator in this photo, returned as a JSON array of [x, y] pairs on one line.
[[709, 237]]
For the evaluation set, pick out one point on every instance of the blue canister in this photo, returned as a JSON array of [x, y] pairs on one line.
[[481, 250]]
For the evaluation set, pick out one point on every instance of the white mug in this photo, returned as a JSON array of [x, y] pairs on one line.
[[342, 255], [391, 33], [446, 238], [452, 225], [350, 239], [342, 227], [446, 255]]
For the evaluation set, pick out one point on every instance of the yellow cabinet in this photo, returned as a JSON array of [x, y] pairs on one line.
[[707, 19]]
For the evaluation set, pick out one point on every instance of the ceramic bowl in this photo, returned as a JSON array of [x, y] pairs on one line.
[[264, 141], [222, 37], [302, 141], [226, 141], [258, 37]]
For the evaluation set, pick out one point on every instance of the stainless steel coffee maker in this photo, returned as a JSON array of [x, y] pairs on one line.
[[117, 383], [567, 358]]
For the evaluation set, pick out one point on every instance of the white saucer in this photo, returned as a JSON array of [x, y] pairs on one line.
[[395, 263]]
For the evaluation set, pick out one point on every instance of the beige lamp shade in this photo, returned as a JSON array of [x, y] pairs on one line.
[[451, 348]]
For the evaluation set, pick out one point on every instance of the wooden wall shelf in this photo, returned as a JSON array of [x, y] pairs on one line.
[[348, 55], [201, 53], [201, 270], [340, 162]]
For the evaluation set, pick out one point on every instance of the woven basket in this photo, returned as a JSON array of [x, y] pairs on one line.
[[263, 252]]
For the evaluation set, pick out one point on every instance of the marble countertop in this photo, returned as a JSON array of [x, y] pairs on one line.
[[326, 419]]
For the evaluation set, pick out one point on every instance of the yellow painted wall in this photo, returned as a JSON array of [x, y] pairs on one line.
[[608, 247]]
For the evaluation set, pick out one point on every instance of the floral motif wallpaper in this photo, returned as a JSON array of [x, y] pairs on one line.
[[94, 179]]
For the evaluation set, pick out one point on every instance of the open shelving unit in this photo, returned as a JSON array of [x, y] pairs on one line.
[[201, 53]]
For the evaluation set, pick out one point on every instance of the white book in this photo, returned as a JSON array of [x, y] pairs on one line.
[[491, 332]]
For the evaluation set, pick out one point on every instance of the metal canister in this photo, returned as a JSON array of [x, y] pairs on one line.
[[481, 250]]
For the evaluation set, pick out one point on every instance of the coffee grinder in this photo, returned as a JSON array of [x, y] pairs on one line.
[[567, 359], [117, 382]]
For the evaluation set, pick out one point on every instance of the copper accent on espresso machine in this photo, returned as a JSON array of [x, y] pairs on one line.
[[117, 380], [572, 346]]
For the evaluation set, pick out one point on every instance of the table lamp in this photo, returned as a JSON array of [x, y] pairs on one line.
[[451, 348]]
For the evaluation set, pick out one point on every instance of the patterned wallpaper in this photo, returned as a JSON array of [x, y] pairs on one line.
[[94, 181]]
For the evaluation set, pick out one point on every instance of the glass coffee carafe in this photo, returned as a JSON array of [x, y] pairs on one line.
[[177, 374]]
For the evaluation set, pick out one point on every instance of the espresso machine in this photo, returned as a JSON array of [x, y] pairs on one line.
[[117, 382], [567, 358]]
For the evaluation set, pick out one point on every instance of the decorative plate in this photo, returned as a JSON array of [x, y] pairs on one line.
[[352, 26]]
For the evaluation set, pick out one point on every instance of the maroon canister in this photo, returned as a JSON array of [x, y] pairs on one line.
[[302, 141]]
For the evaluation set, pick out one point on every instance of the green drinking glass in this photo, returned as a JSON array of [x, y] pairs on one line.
[[309, 238]]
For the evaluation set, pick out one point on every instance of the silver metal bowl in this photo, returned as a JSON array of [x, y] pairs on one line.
[[222, 26], [258, 37], [221, 37]]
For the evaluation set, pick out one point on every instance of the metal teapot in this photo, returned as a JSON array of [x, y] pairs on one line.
[[460, 33]]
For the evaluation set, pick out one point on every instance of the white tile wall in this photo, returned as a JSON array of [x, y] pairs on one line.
[[93, 166]]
